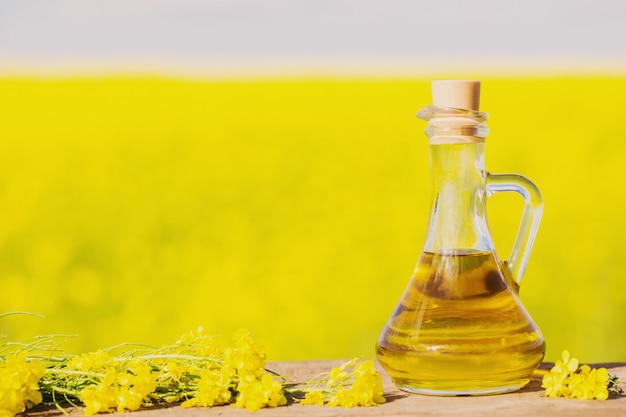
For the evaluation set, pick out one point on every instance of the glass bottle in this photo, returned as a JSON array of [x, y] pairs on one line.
[[460, 328]]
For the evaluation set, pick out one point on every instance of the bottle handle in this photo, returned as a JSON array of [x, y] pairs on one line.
[[533, 207]]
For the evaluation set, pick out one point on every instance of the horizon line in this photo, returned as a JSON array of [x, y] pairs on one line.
[[313, 67]]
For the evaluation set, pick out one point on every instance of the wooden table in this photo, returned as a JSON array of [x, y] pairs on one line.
[[528, 402]]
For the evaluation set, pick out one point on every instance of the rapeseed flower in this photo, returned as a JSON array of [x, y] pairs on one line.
[[590, 383], [125, 386], [101, 397], [246, 357], [567, 363], [366, 389], [353, 384], [556, 382], [254, 393], [98, 361], [195, 371], [255, 387], [213, 389], [19, 384], [567, 380], [313, 398]]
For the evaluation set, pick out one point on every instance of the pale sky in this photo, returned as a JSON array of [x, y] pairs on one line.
[[311, 35]]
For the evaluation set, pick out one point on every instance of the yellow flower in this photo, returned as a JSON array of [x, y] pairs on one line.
[[104, 383], [101, 397], [273, 391], [129, 399], [313, 398], [590, 383], [213, 389], [567, 364], [342, 398], [135, 383], [366, 388], [91, 362], [339, 375], [245, 356], [586, 384], [555, 384], [255, 394], [173, 373], [198, 343], [19, 384], [124, 387]]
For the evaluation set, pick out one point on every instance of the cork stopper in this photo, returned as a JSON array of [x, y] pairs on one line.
[[459, 94], [454, 117]]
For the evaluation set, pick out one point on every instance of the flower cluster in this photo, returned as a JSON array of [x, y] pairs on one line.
[[19, 384], [349, 385], [106, 383], [566, 379], [242, 371], [195, 371]]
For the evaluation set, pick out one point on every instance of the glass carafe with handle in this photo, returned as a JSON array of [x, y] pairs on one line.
[[460, 327]]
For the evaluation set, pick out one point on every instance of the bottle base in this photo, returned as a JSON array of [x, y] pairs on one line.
[[450, 390]]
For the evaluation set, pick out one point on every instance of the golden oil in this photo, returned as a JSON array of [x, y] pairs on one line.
[[460, 329]]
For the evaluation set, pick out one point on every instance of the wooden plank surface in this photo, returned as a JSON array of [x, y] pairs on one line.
[[528, 402]]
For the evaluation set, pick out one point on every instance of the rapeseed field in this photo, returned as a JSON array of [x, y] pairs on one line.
[[135, 209]]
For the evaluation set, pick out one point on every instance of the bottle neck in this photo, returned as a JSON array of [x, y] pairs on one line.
[[457, 215]]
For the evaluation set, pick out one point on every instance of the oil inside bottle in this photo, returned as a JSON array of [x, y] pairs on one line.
[[460, 329]]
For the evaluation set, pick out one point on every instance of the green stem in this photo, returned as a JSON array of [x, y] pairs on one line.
[[27, 313], [64, 371], [64, 391], [176, 356], [56, 403]]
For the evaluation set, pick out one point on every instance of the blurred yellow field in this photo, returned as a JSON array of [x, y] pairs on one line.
[[136, 209]]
